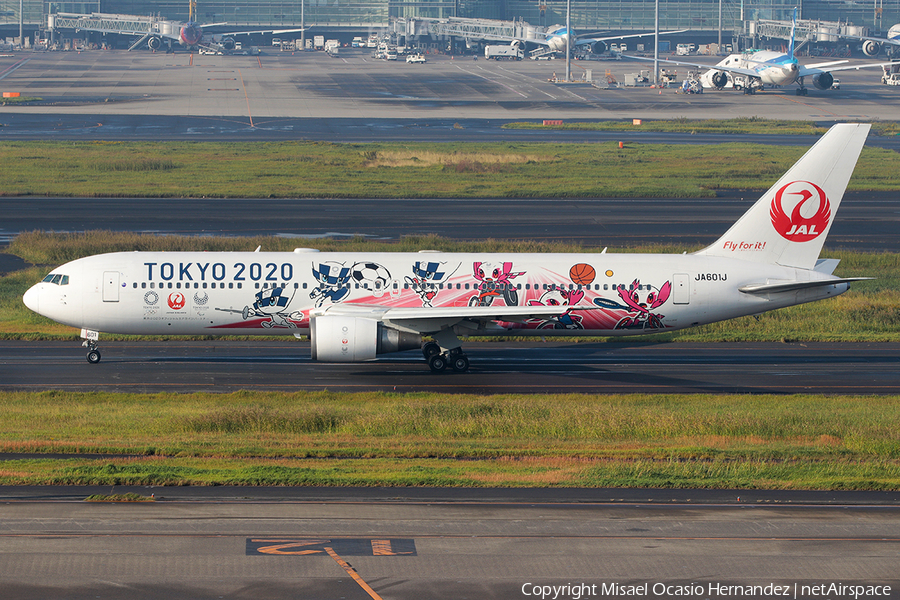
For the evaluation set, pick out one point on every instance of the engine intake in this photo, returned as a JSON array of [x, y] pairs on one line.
[[154, 43], [719, 79], [823, 81], [355, 339], [599, 47], [871, 48]]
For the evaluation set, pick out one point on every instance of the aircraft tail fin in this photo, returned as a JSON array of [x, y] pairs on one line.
[[793, 31], [789, 223]]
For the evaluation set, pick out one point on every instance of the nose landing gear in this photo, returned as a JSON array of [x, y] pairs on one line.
[[90, 342], [93, 355]]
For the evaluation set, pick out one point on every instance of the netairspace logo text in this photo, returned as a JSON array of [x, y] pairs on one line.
[[577, 591]]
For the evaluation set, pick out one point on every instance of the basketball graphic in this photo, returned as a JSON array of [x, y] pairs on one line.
[[582, 274]]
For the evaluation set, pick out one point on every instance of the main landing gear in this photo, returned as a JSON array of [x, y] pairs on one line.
[[93, 355], [439, 360]]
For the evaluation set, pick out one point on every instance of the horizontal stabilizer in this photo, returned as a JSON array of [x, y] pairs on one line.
[[792, 286]]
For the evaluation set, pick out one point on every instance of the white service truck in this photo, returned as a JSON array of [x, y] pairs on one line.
[[504, 52]]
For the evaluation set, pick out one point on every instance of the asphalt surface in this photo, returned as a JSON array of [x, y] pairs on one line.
[[496, 368], [139, 95], [198, 544], [865, 222], [414, 550]]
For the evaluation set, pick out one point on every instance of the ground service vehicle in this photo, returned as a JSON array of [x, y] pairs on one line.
[[503, 52]]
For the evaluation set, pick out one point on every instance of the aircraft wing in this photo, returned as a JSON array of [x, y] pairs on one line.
[[261, 31], [430, 320], [807, 70], [704, 66], [580, 41], [880, 40]]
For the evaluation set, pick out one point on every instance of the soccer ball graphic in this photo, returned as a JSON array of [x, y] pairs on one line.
[[370, 276]]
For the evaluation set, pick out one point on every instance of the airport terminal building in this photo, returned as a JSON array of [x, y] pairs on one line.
[[345, 16]]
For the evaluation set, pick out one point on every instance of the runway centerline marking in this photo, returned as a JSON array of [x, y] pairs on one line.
[[244, 87], [352, 573]]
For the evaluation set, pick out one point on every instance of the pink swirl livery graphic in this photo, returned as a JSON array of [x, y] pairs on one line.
[[796, 227]]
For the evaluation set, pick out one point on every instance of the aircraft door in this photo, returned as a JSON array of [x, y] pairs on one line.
[[110, 286], [395, 289], [681, 288]]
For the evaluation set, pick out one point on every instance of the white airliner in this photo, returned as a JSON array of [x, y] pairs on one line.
[[355, 306], [761, 68], [557, 36]]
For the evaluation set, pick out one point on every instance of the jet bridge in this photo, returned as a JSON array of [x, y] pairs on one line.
[[113, 23], [477, 29], [808, 30], [105, 23]]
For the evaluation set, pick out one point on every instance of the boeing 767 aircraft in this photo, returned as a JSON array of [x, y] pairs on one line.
[[355, 306]]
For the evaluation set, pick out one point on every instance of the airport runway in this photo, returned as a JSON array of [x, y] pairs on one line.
[[496, 367], [866, 222], [406, 548]]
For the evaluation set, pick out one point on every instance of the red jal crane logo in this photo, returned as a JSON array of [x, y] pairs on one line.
[[800, 226], [176, 300]]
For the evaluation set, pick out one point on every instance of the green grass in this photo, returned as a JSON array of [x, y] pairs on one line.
[[321, 438], [410, 170]]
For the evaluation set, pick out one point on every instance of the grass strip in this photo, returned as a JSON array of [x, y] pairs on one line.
[[322, 438], [406, 170]]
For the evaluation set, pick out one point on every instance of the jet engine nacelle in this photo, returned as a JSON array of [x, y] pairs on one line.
[[517, 44], [228, 43], [599, 47], [823, 81], [871, 48], [719, 79], [354, 339], [154, 43]]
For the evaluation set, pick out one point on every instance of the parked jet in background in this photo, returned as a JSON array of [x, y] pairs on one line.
[[755, 69], [556, 37], [355, 306]]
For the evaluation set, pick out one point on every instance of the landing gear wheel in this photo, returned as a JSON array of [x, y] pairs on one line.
[[437, 363], [93, 357], [460, 363], [802, 92], [429, 349]]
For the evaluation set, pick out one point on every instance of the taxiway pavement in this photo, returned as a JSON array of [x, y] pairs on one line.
[[496, 368], [405, 548], [154, 96]]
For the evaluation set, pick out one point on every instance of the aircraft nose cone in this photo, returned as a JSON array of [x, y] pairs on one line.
[[31, 298]]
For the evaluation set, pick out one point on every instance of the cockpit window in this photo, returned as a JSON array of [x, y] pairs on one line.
[[57, 279]]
